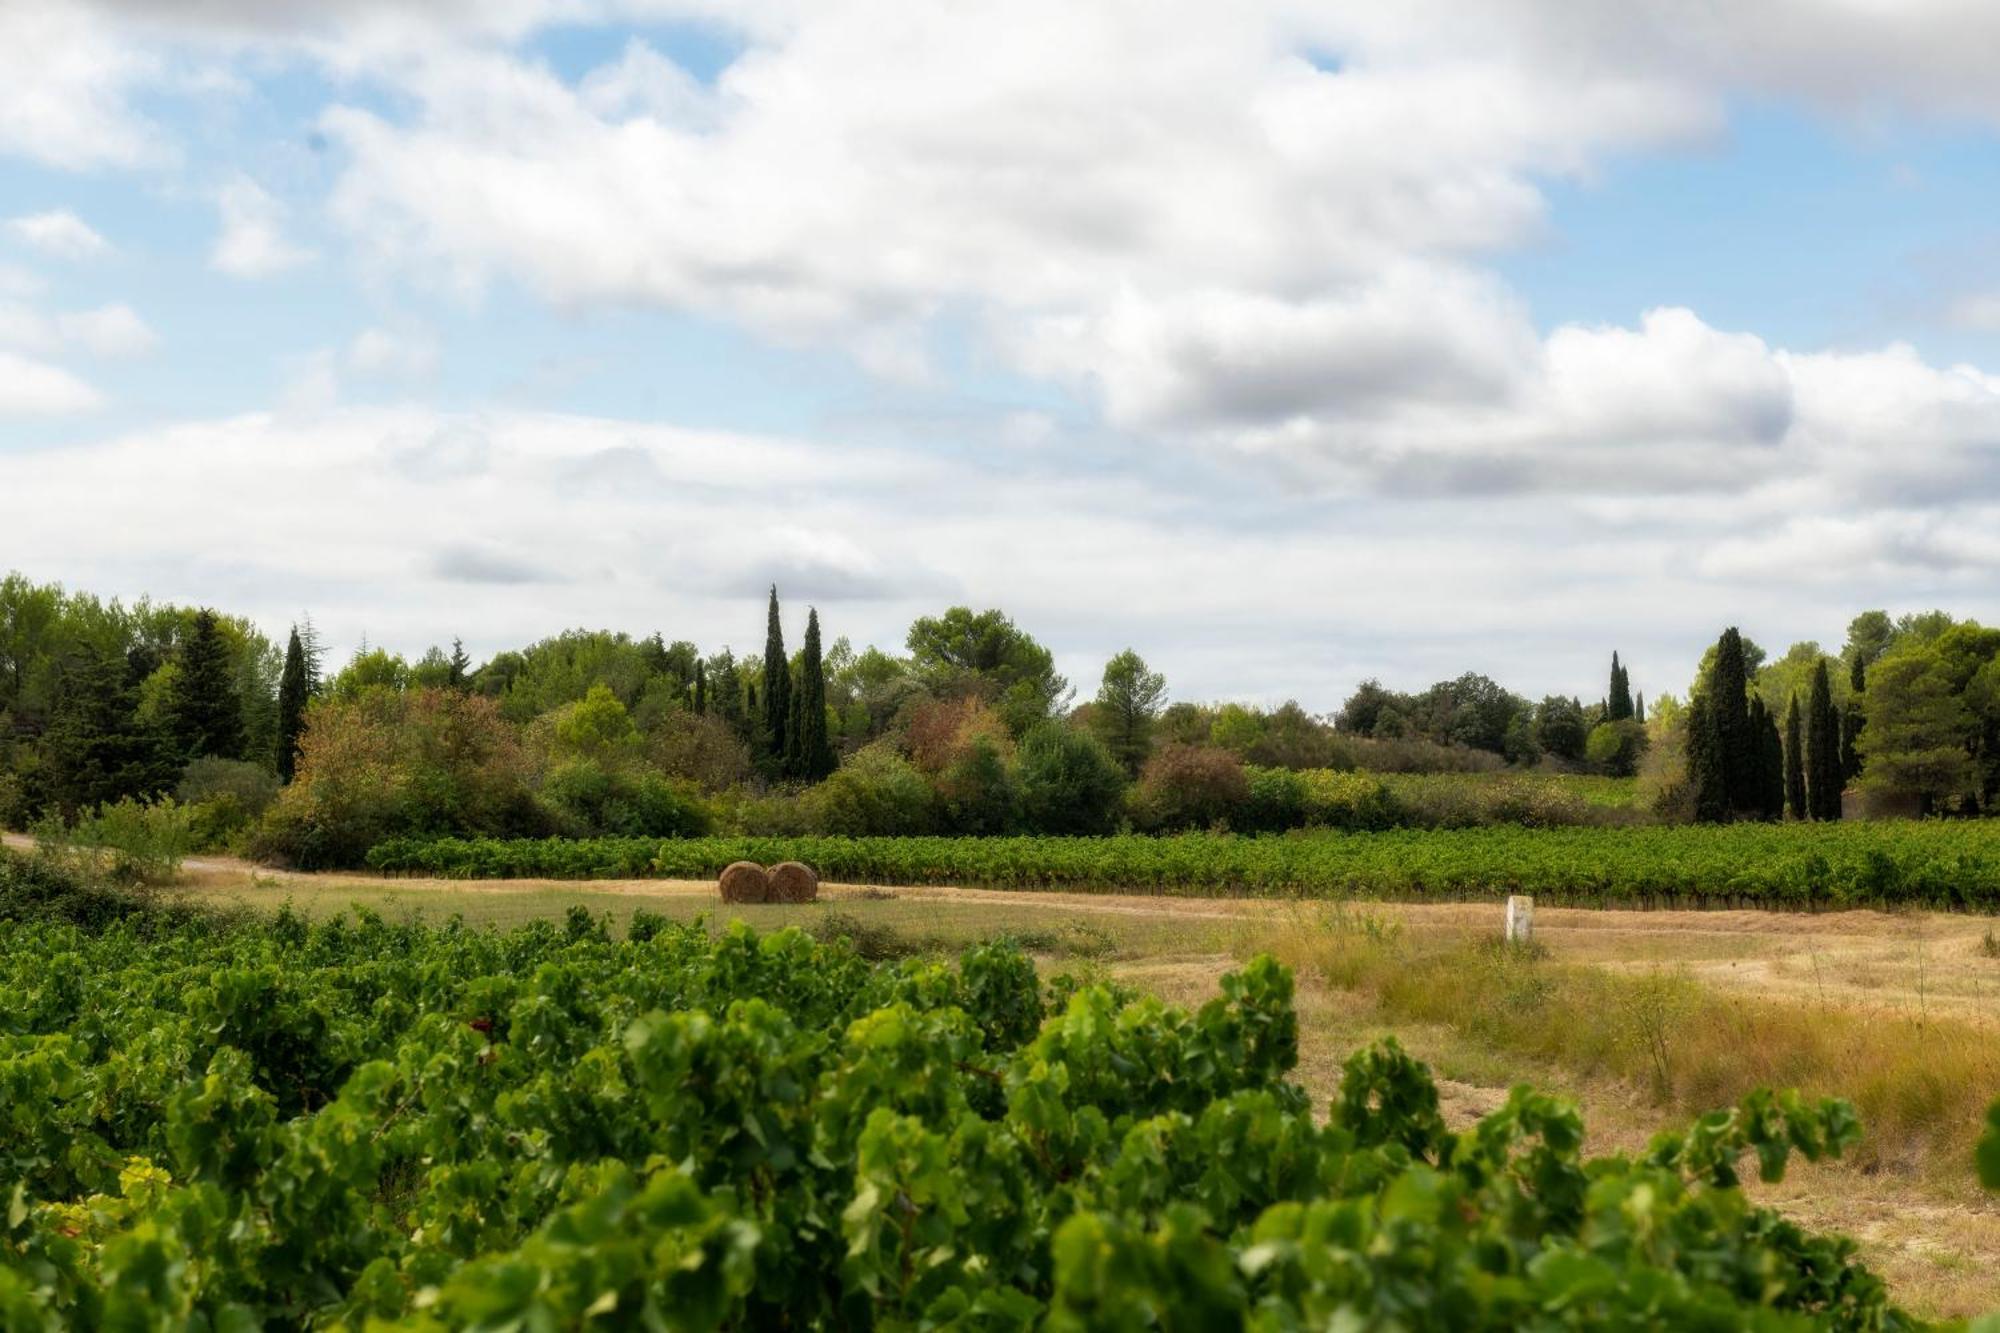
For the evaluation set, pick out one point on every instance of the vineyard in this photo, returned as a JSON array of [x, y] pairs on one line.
[[1939, 864], [233, 1126]]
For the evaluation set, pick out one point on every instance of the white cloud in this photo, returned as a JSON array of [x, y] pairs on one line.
[[65, 75], [34, 388], [401, 353], [110, 330], [252, 243], [60, 233]]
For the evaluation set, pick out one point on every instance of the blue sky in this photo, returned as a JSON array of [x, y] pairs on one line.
[[1357, 345]]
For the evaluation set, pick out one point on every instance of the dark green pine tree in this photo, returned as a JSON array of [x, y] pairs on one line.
[[1706, 778], [1795, 761], [1851, 719], [1618, 704], [292, 697], [815, 753], [1825, 778], [777, 695], [460, 676], [1729, 704], [1638, 708], [204, 712], [700, 688], [95, 750]]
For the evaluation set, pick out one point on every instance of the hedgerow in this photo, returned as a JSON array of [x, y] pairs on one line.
[[1941, 864], [400, 1127]]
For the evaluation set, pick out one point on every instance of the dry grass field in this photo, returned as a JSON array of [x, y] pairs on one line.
[[1643, 1017]]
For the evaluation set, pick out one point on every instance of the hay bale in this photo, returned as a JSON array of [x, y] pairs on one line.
[[794, 882], [745, 882]]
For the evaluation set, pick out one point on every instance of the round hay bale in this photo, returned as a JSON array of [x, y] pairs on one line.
[[794, 882], [745, 882]]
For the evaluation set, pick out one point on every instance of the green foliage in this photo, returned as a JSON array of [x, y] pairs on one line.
[[1915, 740], [595, 801], [1190, 786], [1989, 1150], [1615, 747], [139, 842], [1618, 700], [1953, 865], [389, 764], [1825, 774], [814, 757], [1795, 761], [1068, 781], [1729, 715], [985, 654], [1708, 777], [359, 1124], [875, 793], [62, 890], [294, 693], [596, 728], [1128, 701], [1560, 728], [771, 741]]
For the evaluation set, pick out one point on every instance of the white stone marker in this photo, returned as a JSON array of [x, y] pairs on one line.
[[1520, 918]]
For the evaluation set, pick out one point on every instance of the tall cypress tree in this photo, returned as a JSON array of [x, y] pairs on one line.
[[700, 688], [1774, 768], [1705, 770], [1770, 761], [794, 762], [1729, 704], [204, 711], [1851, 719], [815, 754], [1638, 708], [777, 693], [292, 695], [1824, 774], [1618, 704], [725, 691], [1795, 761]]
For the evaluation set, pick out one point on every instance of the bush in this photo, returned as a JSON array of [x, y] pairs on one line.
[[1068, 781], [42, 888], [596, 801], [251, 786], [224, 798], [701, 748], [142, 842], [975, 792], [13, 802], [1615, 747], [1190, 786], [385, 764], [875, 792]]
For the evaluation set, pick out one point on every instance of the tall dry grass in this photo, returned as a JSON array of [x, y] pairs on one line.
[[1921, 1084]]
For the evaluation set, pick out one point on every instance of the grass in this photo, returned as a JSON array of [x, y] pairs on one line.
[[1920, 1080]]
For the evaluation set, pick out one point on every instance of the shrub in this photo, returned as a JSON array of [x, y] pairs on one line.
[[875, 792], [143, 841], [388, 764], [701, 748], [13, 802], [251, 786], [597, 801], [1068, 781], [1615, 747], [1190, 786], [41, 888], [975, 792]]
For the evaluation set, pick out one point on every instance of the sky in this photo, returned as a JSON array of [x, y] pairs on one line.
[[1288, 344]]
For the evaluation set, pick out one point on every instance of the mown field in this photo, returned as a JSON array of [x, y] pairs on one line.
[[1951, 865]]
